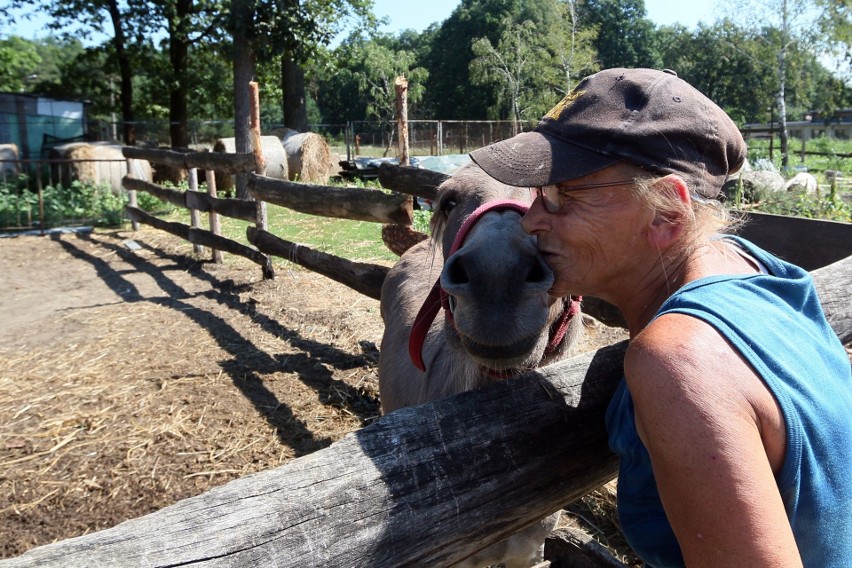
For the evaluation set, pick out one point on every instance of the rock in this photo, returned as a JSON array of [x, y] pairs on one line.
[[756, 184], [802, 183]]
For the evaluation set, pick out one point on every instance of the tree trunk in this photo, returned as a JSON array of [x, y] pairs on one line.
[[126, 72], [293, 84], [782, 85], [244, 67], [178, 57]]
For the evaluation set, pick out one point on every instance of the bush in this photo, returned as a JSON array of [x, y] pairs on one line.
[[78, 203]]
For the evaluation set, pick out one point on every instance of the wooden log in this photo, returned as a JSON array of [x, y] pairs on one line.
[[194, 214], [570, 547], [809, 243], [423, 486], [834, 285], [226, 163], [400, 85], [411, 181], [168, 195], [339, 202], [213, 215], [235, 208], [361, 277], [201, 237]]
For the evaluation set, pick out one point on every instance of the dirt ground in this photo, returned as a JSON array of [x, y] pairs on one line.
[[134, 376]]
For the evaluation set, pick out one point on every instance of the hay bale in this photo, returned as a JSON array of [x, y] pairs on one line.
[[8, 161], [308, 156], [273, 154], [96, 162]]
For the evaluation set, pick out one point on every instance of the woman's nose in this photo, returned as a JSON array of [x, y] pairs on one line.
[[534, 221]]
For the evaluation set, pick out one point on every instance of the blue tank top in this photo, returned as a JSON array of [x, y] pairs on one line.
[[776, 322]]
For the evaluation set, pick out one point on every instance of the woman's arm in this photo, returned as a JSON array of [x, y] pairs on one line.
[[715, 434]]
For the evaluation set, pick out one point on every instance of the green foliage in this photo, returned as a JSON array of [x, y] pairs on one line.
[[625, 35], [536, 60], [380, 65], [19, 63], [448, 94], [733, 62], [758, 149], [77, 203], [422, 218], [808, 206]]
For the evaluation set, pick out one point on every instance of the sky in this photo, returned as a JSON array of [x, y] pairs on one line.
[[418, 14]]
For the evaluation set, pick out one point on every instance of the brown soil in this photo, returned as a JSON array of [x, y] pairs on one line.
[[131, 379]]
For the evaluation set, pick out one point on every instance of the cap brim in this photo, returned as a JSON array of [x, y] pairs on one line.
[[533, 159]]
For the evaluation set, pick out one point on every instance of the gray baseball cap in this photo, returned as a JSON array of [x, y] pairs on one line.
[[649, 118]]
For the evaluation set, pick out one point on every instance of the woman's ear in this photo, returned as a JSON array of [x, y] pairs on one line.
[[669, 224]]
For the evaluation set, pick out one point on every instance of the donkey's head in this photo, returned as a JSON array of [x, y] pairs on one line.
[[494, 283]]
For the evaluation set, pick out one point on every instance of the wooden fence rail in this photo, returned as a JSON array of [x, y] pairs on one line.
[[424, 486], [197, 202], [234, 208], [220, 162], [362, 277], [339, 202]]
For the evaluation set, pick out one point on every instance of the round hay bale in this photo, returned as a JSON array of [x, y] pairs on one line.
[[96, 162], [273, 155], [8, 161], [308, 156]]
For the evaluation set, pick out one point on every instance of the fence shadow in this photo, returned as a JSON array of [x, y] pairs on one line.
[[247, 363]]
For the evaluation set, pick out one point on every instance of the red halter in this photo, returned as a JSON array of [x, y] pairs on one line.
[[438, 297]]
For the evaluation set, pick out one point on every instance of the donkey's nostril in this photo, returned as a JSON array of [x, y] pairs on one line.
[[455, 272], [539, 272]]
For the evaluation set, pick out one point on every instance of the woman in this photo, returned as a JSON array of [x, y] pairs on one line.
[[734, 420]]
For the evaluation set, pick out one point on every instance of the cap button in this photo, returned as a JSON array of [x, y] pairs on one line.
[[670, 72]]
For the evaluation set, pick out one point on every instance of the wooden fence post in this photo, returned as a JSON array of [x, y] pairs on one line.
[[215, 228], [401, 86], [131, 195], [194, 215], [260, 164]]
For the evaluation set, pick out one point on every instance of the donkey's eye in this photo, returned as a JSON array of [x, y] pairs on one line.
[[448, 205]]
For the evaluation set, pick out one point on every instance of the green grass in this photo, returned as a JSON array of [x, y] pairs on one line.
[[817, 165], [354, 240]]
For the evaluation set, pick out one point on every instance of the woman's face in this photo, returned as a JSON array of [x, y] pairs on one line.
[[592, 242]]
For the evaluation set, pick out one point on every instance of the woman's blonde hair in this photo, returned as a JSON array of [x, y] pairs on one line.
[[702, 217]]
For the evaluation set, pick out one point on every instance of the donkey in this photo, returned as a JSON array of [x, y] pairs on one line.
[[499, 319]]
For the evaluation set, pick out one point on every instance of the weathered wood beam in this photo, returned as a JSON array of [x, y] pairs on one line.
[[203, 237], [423, 486], [235, 208], [220, 162], [412, 181], [809, 243], [339, 202], [168, 195], [360, 276]]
